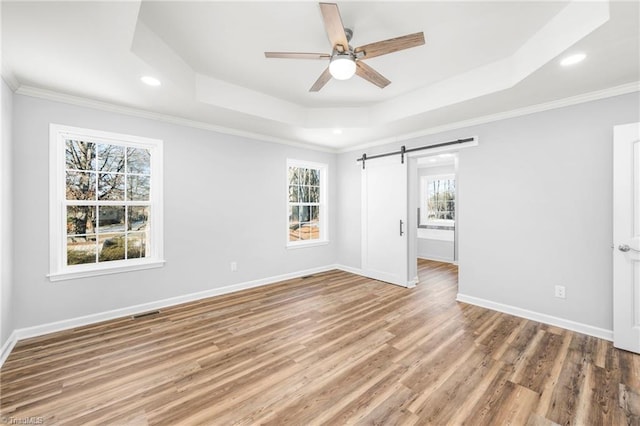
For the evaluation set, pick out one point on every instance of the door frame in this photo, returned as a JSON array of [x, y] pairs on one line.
[[626, 314]]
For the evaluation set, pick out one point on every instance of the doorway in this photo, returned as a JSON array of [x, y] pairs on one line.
[[433, 201]]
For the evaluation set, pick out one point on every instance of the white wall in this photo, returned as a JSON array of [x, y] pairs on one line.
[[224, 200], [549, 174], [6, 250]]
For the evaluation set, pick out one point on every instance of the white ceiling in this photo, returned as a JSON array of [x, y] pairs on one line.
[[480, 59]]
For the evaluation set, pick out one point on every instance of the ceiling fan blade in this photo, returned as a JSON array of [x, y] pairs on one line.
[[334, 27], [321, 81], [296, 55], [391, 45], [365, 71]]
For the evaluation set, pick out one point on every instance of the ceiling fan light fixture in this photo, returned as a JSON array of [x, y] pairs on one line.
[[342, 66]]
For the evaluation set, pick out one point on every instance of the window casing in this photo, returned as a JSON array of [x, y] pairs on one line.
[[105, 203], [306, 203], [437, 202]]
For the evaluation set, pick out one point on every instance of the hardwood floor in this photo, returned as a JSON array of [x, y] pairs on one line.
[[333, 349]]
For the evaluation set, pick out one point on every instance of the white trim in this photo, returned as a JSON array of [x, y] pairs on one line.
[[8, 347], [135, 112], [58, 268], [323, 239], [39, 330], [537, 316], [532, 109], [438, 259], [108, 269], [51, 95]]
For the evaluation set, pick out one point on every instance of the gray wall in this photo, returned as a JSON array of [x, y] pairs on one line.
[[548, 174], [547, 178], [224, 200], [6, 250], [429, 248]]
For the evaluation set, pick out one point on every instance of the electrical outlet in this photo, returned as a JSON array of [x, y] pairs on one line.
[[561, 292], [234, 266]]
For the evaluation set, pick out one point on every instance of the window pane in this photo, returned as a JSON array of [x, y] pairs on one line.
[[80, 155], [111, 187], [110, 158], [293, 176], [315, 212], [138, 188], [294, 223], [314, 194], [293, 194], [110, 219], [136, 245], [309, 231], [303, 176], [111, 247], [305, 213], [138, 218], [81, 220], [294, 214], [138, 161], [304, 194], [81, 186], [81, 249], [314, 177]]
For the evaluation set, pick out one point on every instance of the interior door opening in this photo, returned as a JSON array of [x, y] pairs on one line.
[[433, 203]]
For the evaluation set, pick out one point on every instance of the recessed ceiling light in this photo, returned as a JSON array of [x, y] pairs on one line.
[[573, 59], [445, 155], [433, 160], [151, 81], [337, 131]]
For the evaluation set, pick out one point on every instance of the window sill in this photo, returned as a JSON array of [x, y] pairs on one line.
[[107, 270], [307, 244]]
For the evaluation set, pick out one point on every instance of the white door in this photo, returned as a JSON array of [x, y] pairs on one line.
[[384, 220], [626, 237]]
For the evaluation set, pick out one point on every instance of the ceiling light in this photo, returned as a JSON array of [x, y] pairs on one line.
[[445, 155], [337, 131], [151, 81], [573, 59], [342, 66]]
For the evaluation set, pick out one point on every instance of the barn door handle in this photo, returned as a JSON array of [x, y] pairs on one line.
[[401, 231]]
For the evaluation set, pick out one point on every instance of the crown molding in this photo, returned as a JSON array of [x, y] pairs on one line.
[[105, 106], [10, 80], [135, 112], [560, 103]]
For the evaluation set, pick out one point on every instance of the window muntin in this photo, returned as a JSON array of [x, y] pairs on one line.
[[106, 209], [306, 206]]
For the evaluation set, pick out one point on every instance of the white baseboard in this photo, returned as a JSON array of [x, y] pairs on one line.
[[8, 347], [437, 259], [539, 317], [39, 330]]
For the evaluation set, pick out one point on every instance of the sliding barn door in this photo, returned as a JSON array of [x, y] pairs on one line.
[[384, 220], [626, 237]]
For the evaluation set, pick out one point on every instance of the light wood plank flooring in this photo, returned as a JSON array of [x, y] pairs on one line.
[[330, 349]]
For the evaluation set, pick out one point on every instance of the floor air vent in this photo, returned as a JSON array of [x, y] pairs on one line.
[[306, 277], [145, 314]]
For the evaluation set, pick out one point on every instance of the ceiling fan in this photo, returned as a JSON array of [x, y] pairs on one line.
[[344, 60]]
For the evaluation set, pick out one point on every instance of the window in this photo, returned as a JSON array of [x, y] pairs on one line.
[[307, 206], [105, 203], [438, 202]]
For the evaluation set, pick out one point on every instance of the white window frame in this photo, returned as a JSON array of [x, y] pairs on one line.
[[58, 269], [424, 185], [323, 208]]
